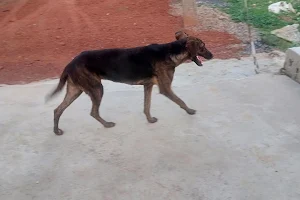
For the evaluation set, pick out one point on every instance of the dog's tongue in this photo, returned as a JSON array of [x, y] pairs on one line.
[[199, 58]]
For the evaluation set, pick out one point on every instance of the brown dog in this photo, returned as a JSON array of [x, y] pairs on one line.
[[148, 65]]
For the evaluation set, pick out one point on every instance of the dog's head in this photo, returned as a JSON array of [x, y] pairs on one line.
[[195, 47]]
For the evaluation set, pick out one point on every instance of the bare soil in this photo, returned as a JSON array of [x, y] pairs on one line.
[[39, 37]]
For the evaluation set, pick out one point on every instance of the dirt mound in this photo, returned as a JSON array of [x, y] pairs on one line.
[[39, 37]]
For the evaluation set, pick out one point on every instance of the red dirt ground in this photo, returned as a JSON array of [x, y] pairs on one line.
[[39, 37]]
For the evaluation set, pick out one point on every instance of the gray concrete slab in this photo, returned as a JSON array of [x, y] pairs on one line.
[[243, 143], [292, 63]]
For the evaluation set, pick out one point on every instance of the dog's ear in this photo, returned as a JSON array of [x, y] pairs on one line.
[[180, 35], [192, 47]]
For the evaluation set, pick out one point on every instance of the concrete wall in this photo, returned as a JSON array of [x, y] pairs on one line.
[[292, 63]]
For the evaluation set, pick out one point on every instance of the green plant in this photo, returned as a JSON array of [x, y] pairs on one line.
[[265, 21]]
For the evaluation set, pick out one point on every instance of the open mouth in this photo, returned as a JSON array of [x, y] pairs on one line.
[[197, 60]]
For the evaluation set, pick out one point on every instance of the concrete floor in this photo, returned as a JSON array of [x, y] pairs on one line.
[[243, 143]]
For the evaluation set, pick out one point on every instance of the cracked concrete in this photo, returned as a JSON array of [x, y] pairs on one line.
[[243, 143]]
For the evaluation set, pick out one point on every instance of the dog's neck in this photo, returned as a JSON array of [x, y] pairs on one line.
[[179, 52], [179, 58]]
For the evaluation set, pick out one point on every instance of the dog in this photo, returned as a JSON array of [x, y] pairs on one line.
[[149, 65]]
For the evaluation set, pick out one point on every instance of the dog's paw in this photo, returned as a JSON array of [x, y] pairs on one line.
[[58, 131], [109, 124], [191, 111], [152, 120]]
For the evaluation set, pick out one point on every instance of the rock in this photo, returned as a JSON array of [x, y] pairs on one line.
[[281, 6], [289, 33]]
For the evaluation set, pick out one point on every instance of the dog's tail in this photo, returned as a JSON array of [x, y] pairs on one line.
[[62, 81]]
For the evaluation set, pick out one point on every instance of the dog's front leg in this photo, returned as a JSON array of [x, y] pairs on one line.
[[147, 103], [165, 89]]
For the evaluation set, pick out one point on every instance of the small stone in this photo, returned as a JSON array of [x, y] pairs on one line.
[[134, 24], [222, 18], [1, 67], [62, 44], [57, 37], [5, 10], [37, 182], [107, 13], [276, 53]]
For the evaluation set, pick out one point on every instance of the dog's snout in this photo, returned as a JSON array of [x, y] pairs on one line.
[[209, 55]]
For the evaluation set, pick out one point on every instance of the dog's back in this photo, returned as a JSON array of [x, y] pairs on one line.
[[119, 65]]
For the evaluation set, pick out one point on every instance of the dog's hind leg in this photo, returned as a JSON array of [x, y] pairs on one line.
[[96, 95], [147, 103], [73, 93]]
